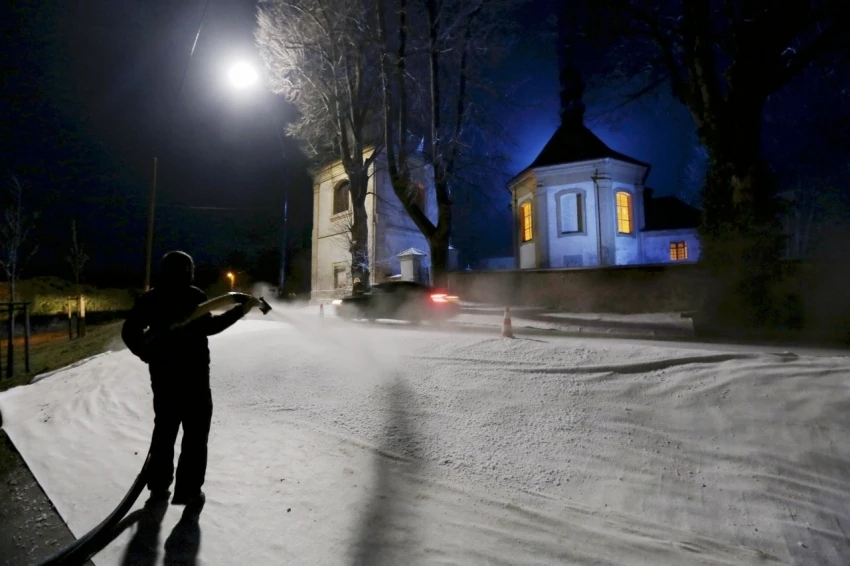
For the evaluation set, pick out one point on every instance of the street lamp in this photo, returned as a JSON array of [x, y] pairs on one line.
[[242, 75], [232, 279]]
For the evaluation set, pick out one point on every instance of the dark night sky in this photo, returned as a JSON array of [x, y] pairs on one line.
[[90, 95]]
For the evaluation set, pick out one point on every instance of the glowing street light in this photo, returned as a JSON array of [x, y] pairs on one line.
[[232, 279], [242, 75]]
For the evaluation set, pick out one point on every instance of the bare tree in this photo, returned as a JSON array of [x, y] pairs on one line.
[[77, 258], [723, 60], [14, 233], [15, 230], [432, 55], [814, 211], [320, 56]]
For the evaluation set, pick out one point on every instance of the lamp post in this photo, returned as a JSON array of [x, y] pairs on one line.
[[242, 75], [149, 236], [232, 278]]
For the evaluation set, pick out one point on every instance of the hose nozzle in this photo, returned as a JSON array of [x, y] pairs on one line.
[[264, 306], [242, 298]]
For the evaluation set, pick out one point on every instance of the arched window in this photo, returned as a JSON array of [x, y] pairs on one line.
[[341, 197], [624, 213]]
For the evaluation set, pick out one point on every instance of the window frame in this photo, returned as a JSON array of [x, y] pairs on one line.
[[629, 208], [676, 247], [529, 218], [337, 187], [340, 268], [581, 211]]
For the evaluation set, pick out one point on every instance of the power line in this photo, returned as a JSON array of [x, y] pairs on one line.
[[194, 44], [122, 201]]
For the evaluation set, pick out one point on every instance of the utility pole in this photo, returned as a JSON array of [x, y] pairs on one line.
[[149, 240], [282, 280]]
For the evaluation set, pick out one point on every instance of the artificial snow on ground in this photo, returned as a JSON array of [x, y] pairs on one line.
[[347, 443]]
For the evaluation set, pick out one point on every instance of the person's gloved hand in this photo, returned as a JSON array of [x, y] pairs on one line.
[[249, 304]]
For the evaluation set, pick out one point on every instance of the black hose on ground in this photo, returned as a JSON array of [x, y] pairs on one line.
[[82, 549]]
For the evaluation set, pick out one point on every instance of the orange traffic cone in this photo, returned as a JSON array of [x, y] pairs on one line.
[[507, 329], [321, 309]]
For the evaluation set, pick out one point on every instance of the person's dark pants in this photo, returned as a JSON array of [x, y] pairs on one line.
[[180, 398]]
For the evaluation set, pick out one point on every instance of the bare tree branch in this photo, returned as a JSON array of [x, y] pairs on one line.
[[433, 76], [318, 54], [15, 231], [77, 258]]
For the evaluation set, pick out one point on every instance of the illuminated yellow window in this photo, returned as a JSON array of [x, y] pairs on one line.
[[527, 228], [624, 213], [678, 251]]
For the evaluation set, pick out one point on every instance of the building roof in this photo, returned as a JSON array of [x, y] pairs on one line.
[[573, 143], [669, 213]]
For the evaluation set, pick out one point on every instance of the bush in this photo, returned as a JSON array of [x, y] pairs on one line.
[[49, 296]]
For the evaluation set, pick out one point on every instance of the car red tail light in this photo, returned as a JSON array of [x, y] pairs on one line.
[[439, 298]]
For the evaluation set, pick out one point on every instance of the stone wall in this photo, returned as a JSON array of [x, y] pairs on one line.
[[626, 289], [810, 298]]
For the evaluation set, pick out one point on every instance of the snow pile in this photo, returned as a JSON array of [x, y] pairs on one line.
[[370, 444]]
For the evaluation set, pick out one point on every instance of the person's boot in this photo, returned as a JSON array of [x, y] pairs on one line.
[[158, 496], [197, 499], [194, 506]]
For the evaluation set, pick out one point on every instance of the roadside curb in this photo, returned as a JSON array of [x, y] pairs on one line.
[[521, 330], [584, 331], [76, 364]]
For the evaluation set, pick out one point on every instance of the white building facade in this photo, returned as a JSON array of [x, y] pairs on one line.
[[390, 229], [591, 212]]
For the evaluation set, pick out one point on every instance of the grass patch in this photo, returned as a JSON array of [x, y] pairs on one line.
[[58, 352], [49, 296], [49, 355]]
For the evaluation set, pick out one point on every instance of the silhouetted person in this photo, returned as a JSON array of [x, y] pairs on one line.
[[357, 288], [179, 364]]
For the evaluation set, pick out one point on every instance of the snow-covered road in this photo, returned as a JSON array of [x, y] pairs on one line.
[[343, 443]]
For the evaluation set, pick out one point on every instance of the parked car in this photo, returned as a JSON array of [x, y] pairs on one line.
[[399, 300]]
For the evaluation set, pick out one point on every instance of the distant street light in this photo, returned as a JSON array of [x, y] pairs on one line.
[[232, 279], [242, 75]]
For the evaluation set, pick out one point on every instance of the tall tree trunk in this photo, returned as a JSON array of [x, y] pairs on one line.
[[360, 267], [438, 240], [741, 232], [439, 263]]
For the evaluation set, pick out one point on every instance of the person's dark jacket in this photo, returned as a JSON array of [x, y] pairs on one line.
[[147, 333]]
